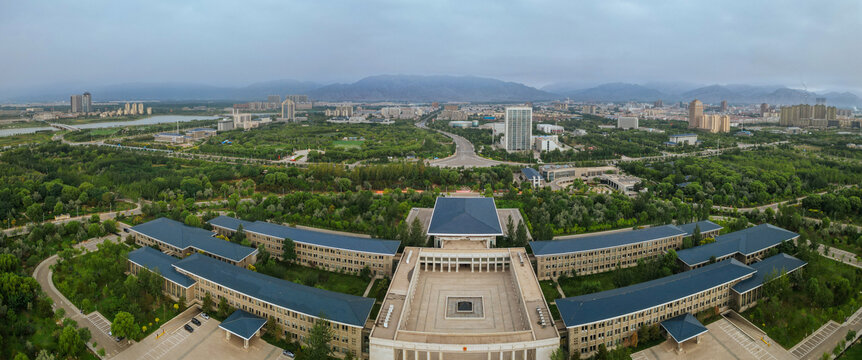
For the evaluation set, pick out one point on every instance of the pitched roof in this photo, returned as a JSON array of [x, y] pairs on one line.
[[601, 241], [338, 307], [320, 238], [705, 226], [531, 173], [155, 260], [775, 264], [683, 327], [465, 216], [746, 242], [586, 309], [242, 324], [182, 236]]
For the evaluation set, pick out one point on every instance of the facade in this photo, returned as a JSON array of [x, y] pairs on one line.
[[805, 115], [723, 106], [330, 251], [493, 309], [611, 317], [695, 114], [457, 219], [746, 293], [173, 138], [341, 110], [558, 172], [244, 121], [627, 122], [273, 99], [288, 110], [604, 252], [690, 139], [176, 285], [175, 238], [546, 143], [716, 123], [225, 125], [77, 103], [297, 98], [519, 128], [747, 246]]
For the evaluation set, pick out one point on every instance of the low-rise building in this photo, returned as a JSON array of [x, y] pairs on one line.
[[679, 139], [175, 285], [178, 239], [200, 133], [550, 128], [627, 122], [708, 229], [173, 138], [532, 176], [747, 292], [603, 252], [458, 219], [558, 172], [622, 183], [327, 250], [748, 246]]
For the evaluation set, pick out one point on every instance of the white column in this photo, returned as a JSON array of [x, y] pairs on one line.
[[403, 354], [226, 335], [427, 355], [457, 264], [415, 354], [501, 354], [245, 343]]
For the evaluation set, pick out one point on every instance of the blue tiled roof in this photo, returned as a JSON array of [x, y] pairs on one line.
[[464, 216], [530, 173], [182, 236], [342, 308], [243, 324], [683, 327], [354, 243], [705, 226], [153, 260], [588, 243], [586, 309], [772, 265], [746, 242]]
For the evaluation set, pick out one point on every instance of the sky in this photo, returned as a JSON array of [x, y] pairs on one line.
[[236, 43]]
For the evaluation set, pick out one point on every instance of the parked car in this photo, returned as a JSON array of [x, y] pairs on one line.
[[205, 316], [287, 353], [196, 321], [188, 328]]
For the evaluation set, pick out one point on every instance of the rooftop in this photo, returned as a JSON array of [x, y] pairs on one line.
[[746, 242], [588, 243], [683, 135], [155, 260], [705, 226], [182, 236], [530, 173], [683, 327], [242, 324], [338, 307], [586, 309], [776, 264], [330, 240], [465, 216]]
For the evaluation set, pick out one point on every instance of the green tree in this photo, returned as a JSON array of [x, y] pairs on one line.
[[696, 237], [602, 353], [45, 355], [207, 304], [70, 342], [521, 234], [193, 220], [559, 354], [239, 235], [417, 236], [318, 340], [288, 249], [124, 326], [223, 308]]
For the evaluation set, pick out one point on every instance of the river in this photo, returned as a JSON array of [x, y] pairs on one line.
[[160, 119]]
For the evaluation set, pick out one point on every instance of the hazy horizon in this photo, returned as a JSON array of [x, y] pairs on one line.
[[223, 43]]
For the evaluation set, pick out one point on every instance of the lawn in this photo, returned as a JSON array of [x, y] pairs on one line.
[[854, 352], [37, 137], [809, 303], [327, 280]]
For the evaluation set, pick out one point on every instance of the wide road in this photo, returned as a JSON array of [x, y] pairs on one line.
[[465, 154]]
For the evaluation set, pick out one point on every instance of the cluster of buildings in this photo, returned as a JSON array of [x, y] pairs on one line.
[[818, 116], [340, 111], [451, 112], [714, 123], [83, 105], [184, 138]]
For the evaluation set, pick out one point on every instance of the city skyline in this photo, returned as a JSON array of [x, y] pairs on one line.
[[591, 43]]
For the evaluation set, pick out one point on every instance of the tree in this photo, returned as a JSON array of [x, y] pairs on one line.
[[602, 353], [193, 220], [417, 236], [271, 328], [70, 342], [288, 249], [510, 229], [559, 354], [124, 326], [696, 237], [207, 304], [633, 341], [45, 355], [239, 235], [223, 308], [318, 340], [21, 356], [521, 234]]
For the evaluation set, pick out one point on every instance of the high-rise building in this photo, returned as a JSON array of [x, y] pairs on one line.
[[695, 114], [297, 98], [140, 108], [288, 110], [128, 109], [77, 103], [764, 108], [658, 103], [87, 102], [519, 128], [804, 115], [723, 105], [716, 123]]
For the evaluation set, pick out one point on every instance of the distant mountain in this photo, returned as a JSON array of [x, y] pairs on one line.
[[415, 88], [616, 92], [672, 87], [710, 94]]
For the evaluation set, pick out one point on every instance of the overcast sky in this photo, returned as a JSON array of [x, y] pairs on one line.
[[534, 42]]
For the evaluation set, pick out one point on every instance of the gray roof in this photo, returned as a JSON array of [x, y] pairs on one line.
[[342, 308], [182, 236], [331, 240], [705, 226], [683, 327], [155, 260], [586, 309], [243, 324], [775, 264], [588, 243], [531, 173], [465, 216], [746, 242]]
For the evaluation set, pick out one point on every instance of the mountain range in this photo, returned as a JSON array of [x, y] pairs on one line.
[[417, 88]]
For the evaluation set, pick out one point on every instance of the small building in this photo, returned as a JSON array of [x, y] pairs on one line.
[[622, 183], [550, 128], [546, 143], [465, 219], [173, 138], [461, 124], [690, 139], [200, 133], [683, 328], [558, 172], [748, 246], [532, 176], [243, 325], [627, 122]]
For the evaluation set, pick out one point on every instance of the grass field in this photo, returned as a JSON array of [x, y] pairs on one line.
[[38, 137]]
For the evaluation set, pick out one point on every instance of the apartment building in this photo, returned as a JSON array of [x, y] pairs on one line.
[[264, 298], [611, 317], [178, 239], [748, 246], [327, 250], [604, 252]]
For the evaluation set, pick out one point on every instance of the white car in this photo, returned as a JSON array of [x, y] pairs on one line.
[[205, 316]]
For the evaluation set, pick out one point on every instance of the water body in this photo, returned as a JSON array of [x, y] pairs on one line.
[[160, 119]]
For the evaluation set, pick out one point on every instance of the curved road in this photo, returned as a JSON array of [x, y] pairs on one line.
[[465, 154]]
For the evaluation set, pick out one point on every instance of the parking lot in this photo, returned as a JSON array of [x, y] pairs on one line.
[[207, 342], [805, 347], [723, 341], [100, 322]]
